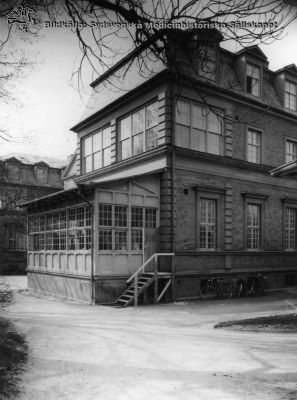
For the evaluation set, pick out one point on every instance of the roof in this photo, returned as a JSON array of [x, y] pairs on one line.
[[289, 169], [33, 160]]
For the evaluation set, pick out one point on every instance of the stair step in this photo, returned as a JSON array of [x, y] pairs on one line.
[[122, 301]]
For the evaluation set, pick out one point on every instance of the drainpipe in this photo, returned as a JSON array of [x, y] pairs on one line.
[[79, 186], [173, 189]]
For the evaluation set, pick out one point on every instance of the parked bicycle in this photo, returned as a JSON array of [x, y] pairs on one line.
[[239, 287], [215, 288], [256, 285]]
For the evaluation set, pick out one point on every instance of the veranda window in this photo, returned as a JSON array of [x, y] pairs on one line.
[[121, 227], [61, 230], [198, 127], [139, 131]]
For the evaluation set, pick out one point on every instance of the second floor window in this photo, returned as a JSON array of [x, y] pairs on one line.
[[198, 127], [290, 95], [254, 146], [291, 150], [253, 74], [139, 131], [96, 150]]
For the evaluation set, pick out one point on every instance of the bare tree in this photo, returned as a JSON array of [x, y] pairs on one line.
[[106, 29]]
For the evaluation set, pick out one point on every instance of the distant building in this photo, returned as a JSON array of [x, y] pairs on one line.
[[22, 178], [200, 164]]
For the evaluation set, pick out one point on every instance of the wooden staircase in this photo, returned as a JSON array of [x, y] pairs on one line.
[[143, 282], [140, 281]]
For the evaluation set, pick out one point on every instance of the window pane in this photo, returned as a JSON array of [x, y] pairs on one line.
[[199, 115], [213, 143], [88, 146], [182, 136], [136, 240], [105, 215], [105, 239], [97, 157], [137, 142], [125, 127], [121, 240], [138, 122], [125, 148], [88, 164], [120, 215], [137, 217], [152, 138], [214, 123], [152, 118], [97, 141], [106, 137], [107, 156], [182, 113], [198, 140]]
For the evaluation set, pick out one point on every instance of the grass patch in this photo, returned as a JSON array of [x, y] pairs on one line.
[[13, 350], [282, 323]]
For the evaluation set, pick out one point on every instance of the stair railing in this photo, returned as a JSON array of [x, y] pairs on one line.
[[141, 269]]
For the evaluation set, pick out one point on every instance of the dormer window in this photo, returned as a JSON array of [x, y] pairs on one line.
[[13, 172], [41, 174], [253, 74], [207, 62], [290, 95]]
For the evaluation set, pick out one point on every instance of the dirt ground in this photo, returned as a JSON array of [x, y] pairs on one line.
[[164, 352]]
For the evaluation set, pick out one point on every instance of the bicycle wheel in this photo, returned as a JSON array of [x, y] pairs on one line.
[[226, 291], [208, 293]]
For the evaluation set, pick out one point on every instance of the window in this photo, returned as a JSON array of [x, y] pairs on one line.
[[198, 127], [96, 150], [290, 228], [253, 226], [291, 150], [17, 238], [207, 62], [41, 175], [290, 95], [13, 172], [139, 131], [208, 224], [61, 230], [253, 74], [254, 146], [116, 233]]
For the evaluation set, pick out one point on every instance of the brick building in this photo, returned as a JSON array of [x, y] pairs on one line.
[[196, 157], [23, 177]]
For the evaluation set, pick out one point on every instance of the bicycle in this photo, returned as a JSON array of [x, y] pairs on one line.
[[256, 285], [215, 288], [239, 287]]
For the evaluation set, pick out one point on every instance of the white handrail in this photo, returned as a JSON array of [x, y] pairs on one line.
[[141, 268]]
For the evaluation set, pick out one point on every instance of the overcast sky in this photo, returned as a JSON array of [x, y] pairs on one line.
[[51, 107]]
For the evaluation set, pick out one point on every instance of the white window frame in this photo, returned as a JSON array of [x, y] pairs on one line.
[[290, 96], [97, 154], [193, 127], [290, 155], [255, 81], [130, 134], [254, 149]]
